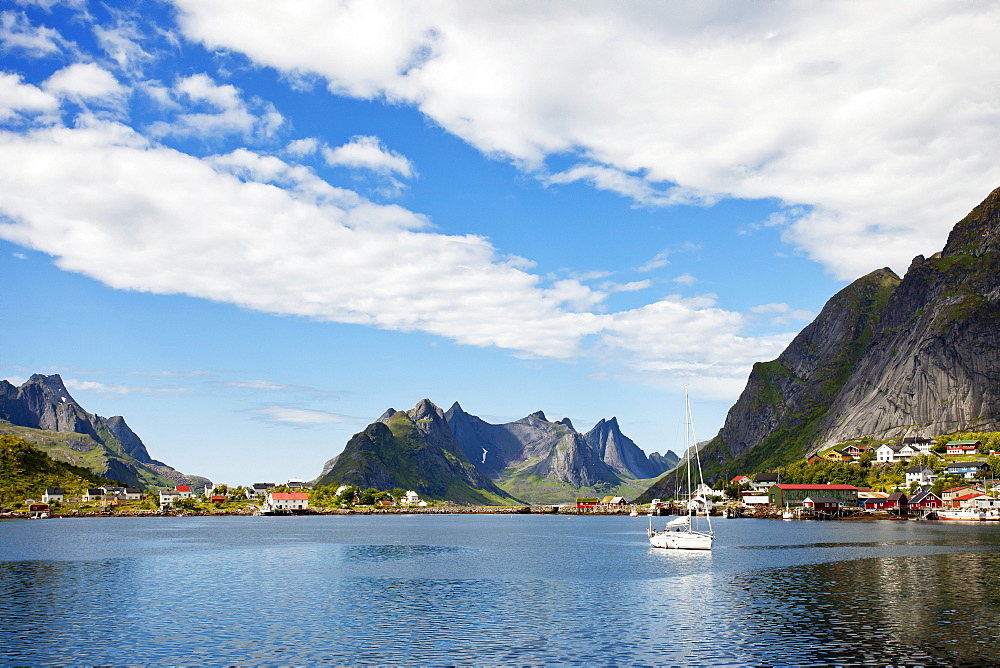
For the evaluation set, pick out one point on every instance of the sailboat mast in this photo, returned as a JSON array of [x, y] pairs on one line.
[[697, 456]]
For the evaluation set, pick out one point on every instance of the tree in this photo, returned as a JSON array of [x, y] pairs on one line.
[[369, 496]]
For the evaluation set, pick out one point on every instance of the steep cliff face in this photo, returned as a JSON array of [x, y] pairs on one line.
[[531, 446], [934, 365], [44, 413], [620, 452], [786, 399], [885, 357]]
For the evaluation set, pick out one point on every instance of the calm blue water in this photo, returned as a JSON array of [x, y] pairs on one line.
[[474, 589]]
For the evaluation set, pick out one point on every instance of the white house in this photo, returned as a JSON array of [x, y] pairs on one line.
[[184, 491], [922, 475], [895, 453], [168, 497], [92, 495], [764, 481], [258, 490], [286, 501], [53, 494], [411, 498]]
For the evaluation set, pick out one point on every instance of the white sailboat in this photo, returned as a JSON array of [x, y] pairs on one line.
[[686, 531]]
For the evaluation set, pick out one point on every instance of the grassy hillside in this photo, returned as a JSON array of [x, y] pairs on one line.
[[25, 472], [83, 451], [538, 490]]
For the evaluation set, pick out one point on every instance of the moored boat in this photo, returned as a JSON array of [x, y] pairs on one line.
[[960, 514], [682, 533]]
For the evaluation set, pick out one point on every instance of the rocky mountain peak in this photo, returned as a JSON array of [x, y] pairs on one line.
[[979, 232], [538, 415]]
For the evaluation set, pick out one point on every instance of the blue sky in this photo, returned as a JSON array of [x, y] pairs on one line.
[[250, 229]]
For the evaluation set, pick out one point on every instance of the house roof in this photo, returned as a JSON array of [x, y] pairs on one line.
[[922, 496], [821, 499], [963, 465], [920, 469], [95, 492], [955, 489], [819, 487], [897, 496], [169, 492], [766, 477], [183, 488], [54, 490], [290, 496], [738, 478], [966, 442]]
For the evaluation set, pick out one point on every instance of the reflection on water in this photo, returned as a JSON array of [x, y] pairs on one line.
[[938, 609], [496, 590]]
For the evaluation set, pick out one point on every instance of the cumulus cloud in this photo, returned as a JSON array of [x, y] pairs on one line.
[[86, 84], [224, 111], [20, 99], [369, 153], [875, 118], [267, 235]]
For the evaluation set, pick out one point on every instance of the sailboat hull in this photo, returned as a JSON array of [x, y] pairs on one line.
[[681, 540]]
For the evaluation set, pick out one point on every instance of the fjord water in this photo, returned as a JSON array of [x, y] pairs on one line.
[[485, 589]]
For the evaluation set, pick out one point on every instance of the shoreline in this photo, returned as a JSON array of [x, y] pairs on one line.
[[443, 510]]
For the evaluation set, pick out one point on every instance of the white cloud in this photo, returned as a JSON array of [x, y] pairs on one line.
[[86, 83], [876, 118], [122, 44], [17, 34], [783, 314], [302, 417], [17, 98], [105, 388], [369, 153], [684, 279], [632, 286], [255, 231], [302, 147], [224, 111]]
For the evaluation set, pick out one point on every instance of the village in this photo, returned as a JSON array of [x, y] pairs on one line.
[[920, 492]]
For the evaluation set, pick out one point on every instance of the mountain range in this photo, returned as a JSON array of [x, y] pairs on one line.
[[531, 459], [43, 413], [885, 358]]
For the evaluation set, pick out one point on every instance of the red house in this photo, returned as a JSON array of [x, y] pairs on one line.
[[925, 499], [823, 504], [895, 501]]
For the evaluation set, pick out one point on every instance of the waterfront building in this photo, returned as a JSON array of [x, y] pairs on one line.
[[53, 494], [287, 501], [793, 495]]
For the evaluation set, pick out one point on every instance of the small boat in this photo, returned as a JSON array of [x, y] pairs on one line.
[[960, 514], [682, 533], [788, 514]]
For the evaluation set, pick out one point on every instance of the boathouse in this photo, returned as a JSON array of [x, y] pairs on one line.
[[793, 495]]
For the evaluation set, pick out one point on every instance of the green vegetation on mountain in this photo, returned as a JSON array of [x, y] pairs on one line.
[[26, 471], [415, 451], [543, 490]]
